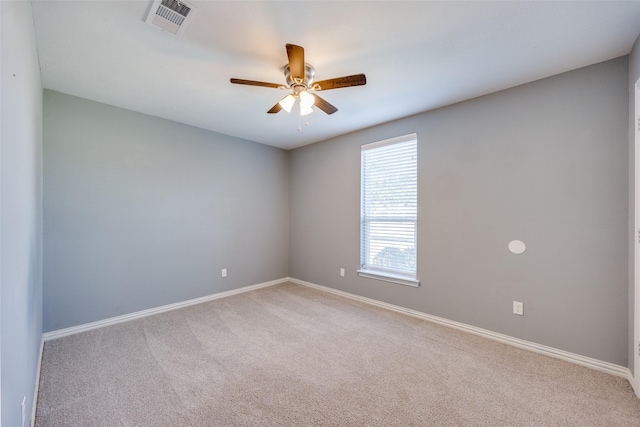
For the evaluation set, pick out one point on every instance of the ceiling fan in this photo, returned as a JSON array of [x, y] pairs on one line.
[[299, 77]]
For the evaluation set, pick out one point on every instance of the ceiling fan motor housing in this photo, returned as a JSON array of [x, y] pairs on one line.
[[309, 74]]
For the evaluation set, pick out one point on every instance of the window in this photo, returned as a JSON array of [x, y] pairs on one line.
[[388, 210]]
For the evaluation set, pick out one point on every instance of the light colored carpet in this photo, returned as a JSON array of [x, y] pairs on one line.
[[289, 355]]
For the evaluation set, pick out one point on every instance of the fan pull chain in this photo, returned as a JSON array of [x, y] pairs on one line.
[[306, 121]]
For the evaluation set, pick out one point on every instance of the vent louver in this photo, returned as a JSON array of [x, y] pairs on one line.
[[170, 15]]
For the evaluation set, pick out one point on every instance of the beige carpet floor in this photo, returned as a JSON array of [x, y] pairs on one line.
[[289, 355]]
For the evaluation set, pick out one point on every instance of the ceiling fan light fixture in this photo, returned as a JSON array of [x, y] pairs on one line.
[[305, 110], [287, 103], [306, 100]]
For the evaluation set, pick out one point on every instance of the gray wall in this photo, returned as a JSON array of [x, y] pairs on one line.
[[544, 162], [634, 75], [140, 212], [20, 212]]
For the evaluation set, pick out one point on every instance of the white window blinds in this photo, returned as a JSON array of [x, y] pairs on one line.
[[389, 207]]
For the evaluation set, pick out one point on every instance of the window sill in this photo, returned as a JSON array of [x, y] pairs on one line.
[[386, 277]]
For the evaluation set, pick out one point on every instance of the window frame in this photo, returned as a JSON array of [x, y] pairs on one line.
[[378, 272]]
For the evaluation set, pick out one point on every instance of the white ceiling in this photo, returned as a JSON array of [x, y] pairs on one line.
[[417, 56]]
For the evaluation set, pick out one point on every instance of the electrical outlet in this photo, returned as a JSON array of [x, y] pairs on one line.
[[342, 272], [518, 308], [224, 272]]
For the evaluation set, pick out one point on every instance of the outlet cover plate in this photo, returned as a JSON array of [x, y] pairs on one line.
[[518, 308]]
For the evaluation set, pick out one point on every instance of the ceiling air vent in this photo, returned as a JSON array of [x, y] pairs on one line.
[[170, 15]]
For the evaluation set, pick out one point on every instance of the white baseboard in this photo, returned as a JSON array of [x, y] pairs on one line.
[[588, 362], [37, 386], [48, 336], [598, 365], [633, 384]]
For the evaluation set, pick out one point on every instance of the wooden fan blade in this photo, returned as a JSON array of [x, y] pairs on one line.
[[275, 109], [255, 83], [347, 81], [324, 105], [296, 61]]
